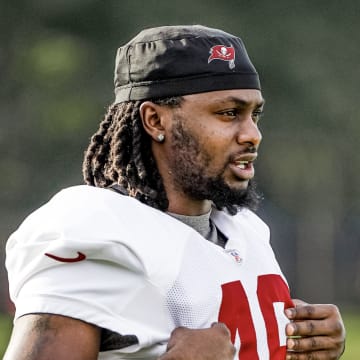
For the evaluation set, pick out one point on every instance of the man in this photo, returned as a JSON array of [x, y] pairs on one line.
[[160, 255]]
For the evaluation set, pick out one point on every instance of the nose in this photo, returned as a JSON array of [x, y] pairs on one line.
[[249, 133]]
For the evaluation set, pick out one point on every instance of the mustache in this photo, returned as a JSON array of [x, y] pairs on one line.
[[252, 149], [249, 150]]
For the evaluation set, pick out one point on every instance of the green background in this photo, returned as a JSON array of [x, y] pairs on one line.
[[56, 73]]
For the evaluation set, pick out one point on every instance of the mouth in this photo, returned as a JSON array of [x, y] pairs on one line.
[[244, 161], [243, 164]]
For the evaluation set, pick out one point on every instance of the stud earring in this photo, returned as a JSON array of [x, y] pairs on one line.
[[161, 137]]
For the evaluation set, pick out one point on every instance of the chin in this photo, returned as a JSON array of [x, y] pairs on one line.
[[239, 185]]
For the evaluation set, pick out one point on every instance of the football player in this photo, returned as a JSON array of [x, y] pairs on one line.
[[160, 254]]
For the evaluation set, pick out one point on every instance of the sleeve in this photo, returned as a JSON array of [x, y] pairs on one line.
[[76, 270]]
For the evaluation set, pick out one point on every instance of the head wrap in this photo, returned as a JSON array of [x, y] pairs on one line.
[[180, 60]]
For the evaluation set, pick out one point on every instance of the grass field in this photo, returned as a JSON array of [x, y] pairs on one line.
[[352, 324]]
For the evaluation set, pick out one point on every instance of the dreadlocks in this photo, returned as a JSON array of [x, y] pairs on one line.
[[120, 153]]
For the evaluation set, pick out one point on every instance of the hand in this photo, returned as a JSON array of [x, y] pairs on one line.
[[201, 344], [319, 332]]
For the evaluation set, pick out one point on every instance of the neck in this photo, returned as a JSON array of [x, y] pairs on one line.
[[181, 204]]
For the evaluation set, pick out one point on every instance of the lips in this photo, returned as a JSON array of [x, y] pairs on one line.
[[243, 160], [242, 165]]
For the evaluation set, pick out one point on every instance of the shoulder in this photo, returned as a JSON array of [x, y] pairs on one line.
[[108, 214], [245, 221], [100, 223], [71, 201], [87, 210], [115, 234], [248, 218]]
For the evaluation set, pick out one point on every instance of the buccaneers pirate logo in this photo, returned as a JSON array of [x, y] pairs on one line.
[[224, 53]]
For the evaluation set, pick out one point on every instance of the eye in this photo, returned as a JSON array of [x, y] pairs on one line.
[[229, 112], [257, 114]]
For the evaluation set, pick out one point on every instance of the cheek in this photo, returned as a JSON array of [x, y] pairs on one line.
[[218, 140], [216, 149], [206, 144]]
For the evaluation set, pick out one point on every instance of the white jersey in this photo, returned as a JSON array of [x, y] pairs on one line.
[[138, 273]]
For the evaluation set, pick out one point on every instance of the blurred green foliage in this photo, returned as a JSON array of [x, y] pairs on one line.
[[56, 66]]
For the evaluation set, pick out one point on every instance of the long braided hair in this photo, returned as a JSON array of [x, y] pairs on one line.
[[120, 153]]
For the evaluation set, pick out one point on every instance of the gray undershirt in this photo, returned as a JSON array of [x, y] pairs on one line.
[[203, 225]]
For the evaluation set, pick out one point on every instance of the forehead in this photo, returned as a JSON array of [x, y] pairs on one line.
[[244, 97]]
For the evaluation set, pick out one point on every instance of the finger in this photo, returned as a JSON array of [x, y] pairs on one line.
[[298, 302], [310, 328], [175, 334], [221, 327], [314, 355], [312, 311], [311, 343], [334, 329]]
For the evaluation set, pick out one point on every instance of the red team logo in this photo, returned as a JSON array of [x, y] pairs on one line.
[[224, 53], [80, 256]]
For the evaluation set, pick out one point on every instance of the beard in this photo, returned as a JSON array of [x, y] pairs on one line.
[[189, 169]]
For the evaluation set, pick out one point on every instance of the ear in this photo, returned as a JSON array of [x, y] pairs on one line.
[[153, 118]]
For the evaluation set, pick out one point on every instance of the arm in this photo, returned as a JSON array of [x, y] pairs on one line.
[[47, 336], [321, 331], [201, 344]]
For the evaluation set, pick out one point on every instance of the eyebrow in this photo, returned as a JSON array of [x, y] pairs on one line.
[[242, 102]]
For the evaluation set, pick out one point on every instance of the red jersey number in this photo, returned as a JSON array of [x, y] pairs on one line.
[[235, 313]]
